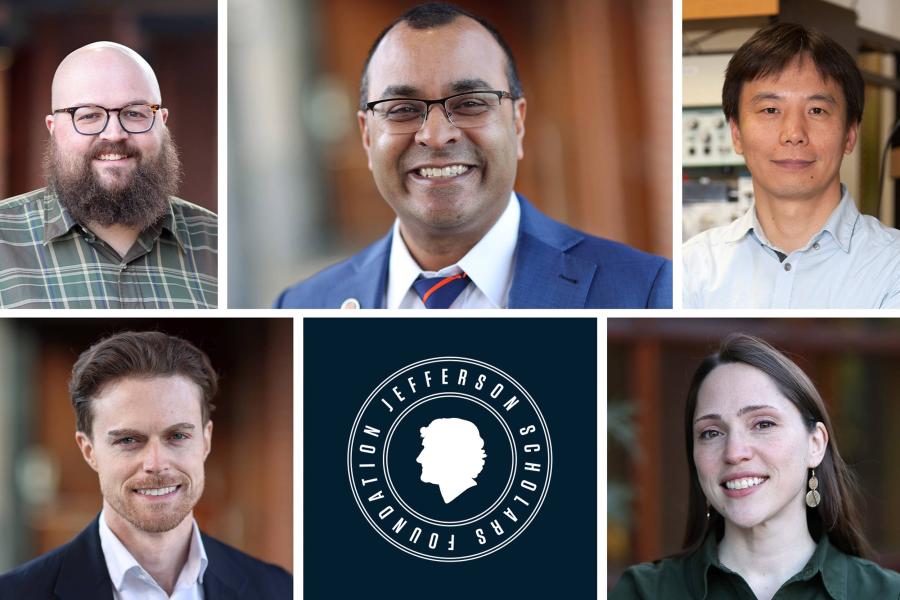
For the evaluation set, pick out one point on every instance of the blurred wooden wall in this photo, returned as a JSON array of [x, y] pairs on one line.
[[598, 145]]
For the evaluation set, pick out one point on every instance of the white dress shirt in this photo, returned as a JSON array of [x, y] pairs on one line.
[[489, 265], [852, 262], [131, 582]]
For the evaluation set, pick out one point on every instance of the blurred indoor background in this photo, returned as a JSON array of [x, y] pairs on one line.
[[598, 146], [715, 182], [177, 38], [48, 493], [852, 362]]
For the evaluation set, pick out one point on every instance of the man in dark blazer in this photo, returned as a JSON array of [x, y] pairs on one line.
[[442, 119], [142, 402]]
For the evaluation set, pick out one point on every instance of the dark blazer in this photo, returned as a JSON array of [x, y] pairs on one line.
[[556, 267], [77, 571]]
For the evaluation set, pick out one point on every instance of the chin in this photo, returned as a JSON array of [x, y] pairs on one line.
[[745, 519]]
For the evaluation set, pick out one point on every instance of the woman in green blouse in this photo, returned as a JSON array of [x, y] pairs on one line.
[[772, 509]]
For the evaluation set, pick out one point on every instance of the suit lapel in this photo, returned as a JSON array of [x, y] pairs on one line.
[[222, 579], [83, 574], [545, 275]]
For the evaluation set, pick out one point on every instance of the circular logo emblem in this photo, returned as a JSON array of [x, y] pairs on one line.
[[449, 459]]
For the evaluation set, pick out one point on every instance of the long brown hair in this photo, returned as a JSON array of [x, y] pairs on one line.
[[837, 515]]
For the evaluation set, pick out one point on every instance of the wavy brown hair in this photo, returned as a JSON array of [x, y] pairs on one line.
[[837, 515]]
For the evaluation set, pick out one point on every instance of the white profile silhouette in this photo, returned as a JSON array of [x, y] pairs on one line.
[[452, 456]]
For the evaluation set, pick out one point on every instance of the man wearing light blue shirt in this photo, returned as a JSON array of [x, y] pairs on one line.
[[794, 101]]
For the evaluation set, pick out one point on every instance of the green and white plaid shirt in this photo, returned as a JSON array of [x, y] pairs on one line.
[[48, 260]]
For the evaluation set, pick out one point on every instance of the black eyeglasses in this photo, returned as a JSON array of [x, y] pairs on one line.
[[92, 119], [465, 110]]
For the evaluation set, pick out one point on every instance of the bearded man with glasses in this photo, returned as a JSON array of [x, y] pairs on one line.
[[442, 119], [107, 231]]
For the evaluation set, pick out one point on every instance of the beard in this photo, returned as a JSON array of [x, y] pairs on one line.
[[137, 200], [155, 517]]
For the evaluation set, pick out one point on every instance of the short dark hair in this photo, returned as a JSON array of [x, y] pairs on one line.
[[771, 50], [141, 354], [431, 16], [838, 514]]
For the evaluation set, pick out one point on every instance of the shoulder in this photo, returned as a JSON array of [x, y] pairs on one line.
[[24, 203], [600, 251], [266, 579], [869, 580], [38, 575], [189, 210], [879, 234], [638, 278], [322, 289], [660, 579]]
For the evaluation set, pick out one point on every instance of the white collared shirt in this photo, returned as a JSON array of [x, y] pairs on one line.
[[489, 264], [852, 262], [131, 582]]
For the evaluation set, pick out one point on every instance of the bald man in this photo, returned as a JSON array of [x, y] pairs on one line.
[[107, 231]]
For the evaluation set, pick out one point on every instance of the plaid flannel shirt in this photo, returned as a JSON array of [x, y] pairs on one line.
[[48, 260]]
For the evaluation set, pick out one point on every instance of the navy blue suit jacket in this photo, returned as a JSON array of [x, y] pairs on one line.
[[77, 571], [556, 267]]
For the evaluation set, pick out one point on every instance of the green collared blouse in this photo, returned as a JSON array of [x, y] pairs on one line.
[[828, 575], [48, 260]]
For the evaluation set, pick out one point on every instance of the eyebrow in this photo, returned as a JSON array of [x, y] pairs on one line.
[[741, 412], [822, 97], [457, 87], [119, 433]]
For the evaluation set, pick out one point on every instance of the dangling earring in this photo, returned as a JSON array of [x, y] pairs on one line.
[[812, 496], [707, 510]]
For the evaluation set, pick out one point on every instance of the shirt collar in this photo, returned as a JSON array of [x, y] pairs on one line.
[[58, 221], [826, 559], [488, 264], [120, 562], [840, 224]]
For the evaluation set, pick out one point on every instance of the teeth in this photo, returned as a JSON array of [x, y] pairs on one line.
[[157, 491], [111, 157], [451, 171], [740, 484]]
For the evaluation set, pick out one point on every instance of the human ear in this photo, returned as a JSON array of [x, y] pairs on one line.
[[818, 443], [850, 142], [736, 136], [364, 133], [207, 439], [519, 108], [87, 449]]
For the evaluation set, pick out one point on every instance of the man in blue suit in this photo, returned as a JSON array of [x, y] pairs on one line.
[[142, 402], [442, 119]]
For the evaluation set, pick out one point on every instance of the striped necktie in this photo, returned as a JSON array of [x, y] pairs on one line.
[[440, 292]]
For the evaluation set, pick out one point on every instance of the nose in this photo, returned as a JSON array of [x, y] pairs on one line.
[[737, 448], [155, 460], [437, 130], [113, 131], [793, 129]]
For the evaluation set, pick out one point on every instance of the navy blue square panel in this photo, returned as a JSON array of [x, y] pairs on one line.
[[450, 458]]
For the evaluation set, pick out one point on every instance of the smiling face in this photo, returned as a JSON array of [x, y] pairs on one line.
[[793, 134], [752, 448], [111, 76], [148, 446], [435, 63]]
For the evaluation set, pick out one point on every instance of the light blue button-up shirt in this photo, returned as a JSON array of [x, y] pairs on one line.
[[852, 262]]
